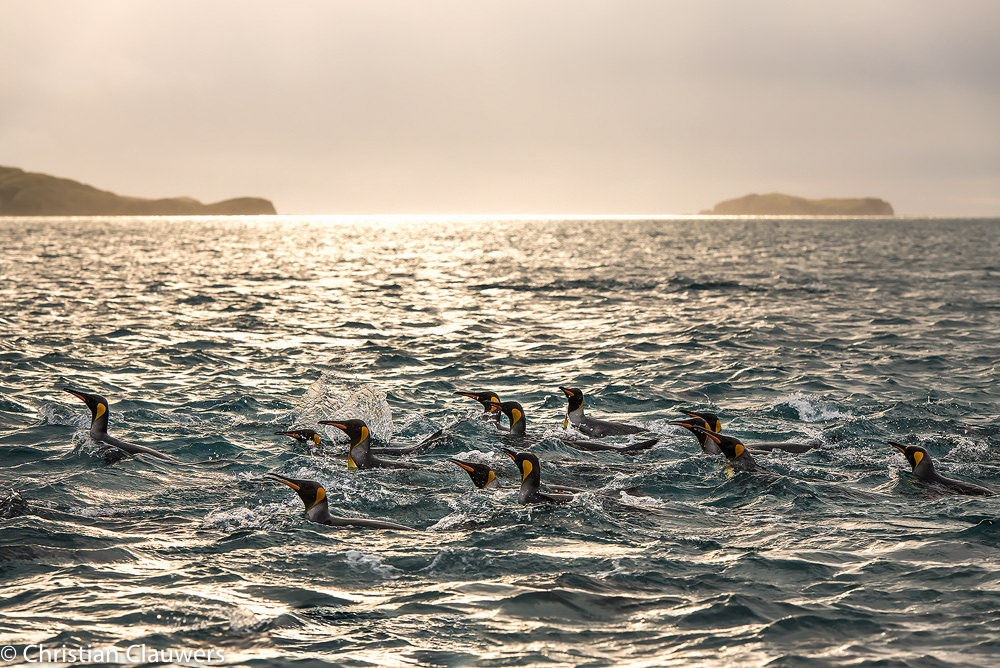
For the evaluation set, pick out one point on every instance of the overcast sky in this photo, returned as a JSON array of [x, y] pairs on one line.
[[509, 106]]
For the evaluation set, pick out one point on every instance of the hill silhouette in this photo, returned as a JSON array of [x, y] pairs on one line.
[[32, 194], [779, 204]]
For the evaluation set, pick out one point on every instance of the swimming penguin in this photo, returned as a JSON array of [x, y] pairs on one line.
[[518, 427], [318, 508], [360, 455], [738, 455], [309, 435], [515, 414], [98, 406], [306, 436], [590, 426], [923, 470], [483, 476], [707, 445], [712, 422], [531, 479], [486, 398]]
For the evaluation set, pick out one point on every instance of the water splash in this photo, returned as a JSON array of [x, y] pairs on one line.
[[328, 399], [811, 409]]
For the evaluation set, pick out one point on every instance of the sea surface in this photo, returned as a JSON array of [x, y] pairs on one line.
[[207, 335]]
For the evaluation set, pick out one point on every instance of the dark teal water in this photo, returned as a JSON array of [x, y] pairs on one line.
[[207, 335]]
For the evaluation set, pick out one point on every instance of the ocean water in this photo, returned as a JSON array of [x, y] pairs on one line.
[[209, 334]]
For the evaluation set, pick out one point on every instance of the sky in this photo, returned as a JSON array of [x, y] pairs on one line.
[[624, 107]]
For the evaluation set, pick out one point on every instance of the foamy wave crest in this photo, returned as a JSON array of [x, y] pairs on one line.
[[245, 622], [811, 409], [970, 450], [643, 501], [371, 562], [326, 399], [235, 519], [61, 415]]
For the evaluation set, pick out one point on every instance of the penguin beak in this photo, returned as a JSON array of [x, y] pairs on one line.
[[462, 464], [898, 446], [78, 395], [496, 405], [285, 481], [339, 425], [710, 434], [569, 392], [471, 395], [511, 454], [293, 434], [690, 414]]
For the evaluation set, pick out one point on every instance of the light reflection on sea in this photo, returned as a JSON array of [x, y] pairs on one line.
[[209, 334]]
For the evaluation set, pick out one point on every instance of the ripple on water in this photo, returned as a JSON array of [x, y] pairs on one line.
[[208, 335]]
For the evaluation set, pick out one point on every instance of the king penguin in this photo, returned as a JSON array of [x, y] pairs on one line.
[[320, 443], [591, 426], [306, 436], [483, 477], [360, 455], [698, 427], [923, 470], [712, 423], [531, 480], [734, 450], [518, 427], [486, 398], [98, 406], [318, 508]]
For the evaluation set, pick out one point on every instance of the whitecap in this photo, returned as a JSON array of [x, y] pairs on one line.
[[327, 399], [235, 519], [245, 622], [63, 416], [371, 562], [811, 409]]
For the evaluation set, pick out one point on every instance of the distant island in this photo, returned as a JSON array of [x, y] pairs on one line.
[[30, 194], [778, 204]]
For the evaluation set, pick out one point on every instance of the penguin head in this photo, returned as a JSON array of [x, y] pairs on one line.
[[514, 413], [527, 464], [301, 435], [485, 397], [918, 457], [574, 396], [690, 426], [98, 406], [711, 420], [360, 436], [311, 492], [731, 447], [356, 430], [482, 475]]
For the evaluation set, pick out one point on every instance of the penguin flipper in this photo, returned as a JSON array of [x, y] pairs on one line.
[[601, 428], [641, 445], [368, 524], [409, 450], [592, 446], [382, 463], [961, 487], [796, 448], [555, 497]]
